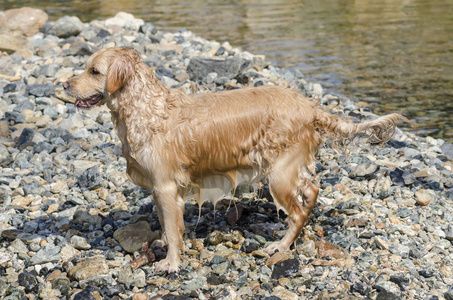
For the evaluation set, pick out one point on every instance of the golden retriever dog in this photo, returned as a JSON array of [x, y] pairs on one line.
[[204, 145]]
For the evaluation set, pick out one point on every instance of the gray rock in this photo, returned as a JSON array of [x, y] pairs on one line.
[[363, 169], [286, 268], [25, 137], [82, 216], [91, 179], [408, 178], [80, 243], [48, 253], [23, 105], [41, 90], [449, 294], [410, 152], [449, 234], [199, 68], [48, 70], [66, 26], [132, 237], [5, 257], [447, 149], [193, 284], [81, 48], [250, 245], [29, 281], [98, 281]]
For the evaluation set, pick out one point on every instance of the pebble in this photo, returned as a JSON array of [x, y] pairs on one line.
[[132, 237], [89, 267], [422, 197], [70, 221]]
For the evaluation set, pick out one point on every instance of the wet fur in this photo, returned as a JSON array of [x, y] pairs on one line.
[[177, 144]]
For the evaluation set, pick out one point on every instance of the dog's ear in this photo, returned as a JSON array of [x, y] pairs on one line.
[[120, 70]]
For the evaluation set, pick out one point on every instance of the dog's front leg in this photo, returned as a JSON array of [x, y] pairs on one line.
[[170, 207]]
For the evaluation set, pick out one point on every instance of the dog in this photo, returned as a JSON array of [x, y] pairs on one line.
[[204, 145]]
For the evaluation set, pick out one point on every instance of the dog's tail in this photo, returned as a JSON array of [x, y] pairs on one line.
[[379, 130]]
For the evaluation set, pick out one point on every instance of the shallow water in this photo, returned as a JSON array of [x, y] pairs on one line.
[[395, 55]]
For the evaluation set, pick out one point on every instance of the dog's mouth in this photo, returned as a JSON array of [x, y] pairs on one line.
[[89, 102]]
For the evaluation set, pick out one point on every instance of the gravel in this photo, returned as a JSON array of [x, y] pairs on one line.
[[71, 222]]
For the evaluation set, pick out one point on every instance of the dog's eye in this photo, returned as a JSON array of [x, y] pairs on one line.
[[93, 71]]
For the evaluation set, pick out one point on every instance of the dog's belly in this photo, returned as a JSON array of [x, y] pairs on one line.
[[215, 187]]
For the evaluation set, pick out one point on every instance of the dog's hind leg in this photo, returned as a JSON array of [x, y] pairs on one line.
[[286, 187]]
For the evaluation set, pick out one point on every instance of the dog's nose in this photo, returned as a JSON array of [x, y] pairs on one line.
[[66, 85]]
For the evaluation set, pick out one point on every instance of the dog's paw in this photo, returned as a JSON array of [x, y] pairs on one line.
[[275, 247], [167, 265]]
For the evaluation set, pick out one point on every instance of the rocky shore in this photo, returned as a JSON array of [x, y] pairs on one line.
[[71, 222]]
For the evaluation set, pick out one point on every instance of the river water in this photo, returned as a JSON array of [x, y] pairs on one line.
[[396, 55]]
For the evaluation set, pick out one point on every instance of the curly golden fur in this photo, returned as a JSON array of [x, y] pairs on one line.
[[202, 146]]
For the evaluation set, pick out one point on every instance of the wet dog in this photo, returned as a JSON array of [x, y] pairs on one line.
[[204, 145]]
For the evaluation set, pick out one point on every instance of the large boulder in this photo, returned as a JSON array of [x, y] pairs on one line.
[[22, 21]]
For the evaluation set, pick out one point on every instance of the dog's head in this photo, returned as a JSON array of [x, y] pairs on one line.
[[107, 71]]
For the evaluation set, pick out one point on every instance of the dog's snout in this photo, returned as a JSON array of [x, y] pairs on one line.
[[66, 85]]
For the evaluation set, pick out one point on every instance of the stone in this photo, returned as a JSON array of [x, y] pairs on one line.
[[10, 43], [66, 26], [199, 68], [89, 267], [29, 281], [81, 216], [136, 278], [80, 243], [23, 21], [132, 237], [68, 252], [397, 176], [285, 268], [402, 281], [193, 284], [41, 90], [48, 253], [363, 170], [447, 150], [88, 293], [281, 293], [359, 287], [81, 48], [22, 201], [250, 245], [381, 244], [4, 130], [215, 237], [19, 247], [125, 20], [422, 197], [328, 249], [91, 179], [449, 233], [98, 281], [25, 137], [5, 257], [449, 294], [78, 167], [140, 296], [307, 248]]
